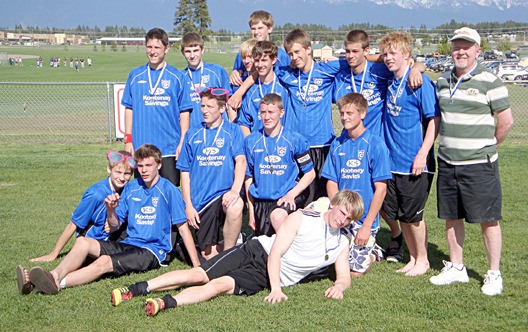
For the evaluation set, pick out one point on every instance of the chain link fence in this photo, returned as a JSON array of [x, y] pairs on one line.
[[67, 112]]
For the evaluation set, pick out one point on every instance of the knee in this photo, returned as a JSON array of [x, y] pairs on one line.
[[198, 276], [104, 263], [223, 285], [277, 216], [236, 209]]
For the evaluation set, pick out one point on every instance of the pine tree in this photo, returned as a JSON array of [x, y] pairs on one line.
[[192, 15]]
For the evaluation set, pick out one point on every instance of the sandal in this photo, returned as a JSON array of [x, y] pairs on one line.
[[24, 285]]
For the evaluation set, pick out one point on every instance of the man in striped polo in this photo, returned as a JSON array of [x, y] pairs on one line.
[[475, 120]]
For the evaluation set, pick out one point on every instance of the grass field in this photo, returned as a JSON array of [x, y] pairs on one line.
[[42, 184]]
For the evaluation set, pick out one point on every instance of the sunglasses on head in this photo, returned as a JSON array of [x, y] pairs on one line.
[[117, 157], [214, 91]]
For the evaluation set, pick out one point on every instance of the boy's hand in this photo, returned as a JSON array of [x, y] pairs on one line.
[[362, 236], [45, 258], [230, 198], [275, 296], [251, 222], [334, 292], [111, 201], [235, 78], [193, 219], [288, 200], [419, 163], [415, 78]]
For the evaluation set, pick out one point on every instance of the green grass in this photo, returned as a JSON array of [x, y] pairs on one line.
[[40, 186]]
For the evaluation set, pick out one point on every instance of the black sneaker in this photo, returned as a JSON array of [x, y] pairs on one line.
[[394, 252]]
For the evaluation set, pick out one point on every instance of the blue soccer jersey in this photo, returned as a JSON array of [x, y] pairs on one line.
[[156, 98], [283, 59], [404, 121], [274, 162], [249, 113], [311, 100], [209, 157], [372, 84], [207, 76], [90, 214], [151, 212], [356, 164]]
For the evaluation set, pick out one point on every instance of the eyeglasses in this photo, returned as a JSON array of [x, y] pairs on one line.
[[217, 92], [117, 157]]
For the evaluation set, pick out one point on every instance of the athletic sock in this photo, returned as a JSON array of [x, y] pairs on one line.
[[170, 302], [398, 239], [139, 288]]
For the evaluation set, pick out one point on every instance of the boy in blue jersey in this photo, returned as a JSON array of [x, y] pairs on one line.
[[89, 217], [410, 127], [213, 165], [371, 80], [264, 55], [152, 205], [156, 105], [276, 156], [359, 160], [199, 73], [261, 25]]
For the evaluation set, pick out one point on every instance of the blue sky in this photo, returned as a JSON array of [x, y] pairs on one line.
[[232, 14]]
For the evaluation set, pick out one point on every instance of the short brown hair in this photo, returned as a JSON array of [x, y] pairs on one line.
[[297, 36], [220, 99], [357, 36], [265, 47], [353, 98], [261, 16], [146, 151], [159, 34], [352, 202], [272, 99], [191, 39]]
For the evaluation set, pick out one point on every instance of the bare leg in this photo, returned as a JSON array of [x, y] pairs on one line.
[[98, 268], [455, 234], [178, 278], [394, 228], [210, 251], [492, 236], [418, 236], [221, 286], [233, 223], [277, 217], [411, 246]]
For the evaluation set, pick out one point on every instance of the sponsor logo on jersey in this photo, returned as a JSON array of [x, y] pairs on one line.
[[159, 91], [148, 210], [210, 151], [472, 92], [353, 163], [318, 81], [272, 159], [367, 93]]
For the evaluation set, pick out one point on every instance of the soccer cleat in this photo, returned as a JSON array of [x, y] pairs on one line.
[[492, 284], [394, 252], [449, 275], [153, 306], [120, 295], [378, 252]]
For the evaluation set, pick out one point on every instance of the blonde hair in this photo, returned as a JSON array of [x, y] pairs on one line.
[[246, 48], [396, 40], [352, 202]]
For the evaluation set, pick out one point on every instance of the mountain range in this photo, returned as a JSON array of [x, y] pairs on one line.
[[232, 14]]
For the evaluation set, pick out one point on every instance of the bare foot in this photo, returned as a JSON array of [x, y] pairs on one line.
[[406, 268], [418, 269]]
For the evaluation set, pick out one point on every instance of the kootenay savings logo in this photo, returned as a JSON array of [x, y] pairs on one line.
[[353, 163], [210, 151], [148, 210], [272, 159]]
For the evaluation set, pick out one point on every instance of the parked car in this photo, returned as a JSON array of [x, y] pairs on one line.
[[490, 55], [507, 68], [518, 75]]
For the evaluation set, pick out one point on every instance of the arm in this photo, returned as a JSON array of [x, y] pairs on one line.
[[192, 215], [342, 276], [129, 147], [304, 182], [504, 123], [185, 120], [236, 98], [363, 234], [415, 76], [331, 188], [285, 236], [251, 210], [245, 130], [63, 239], [235, 77], [188, 241], [232, 196], [111, 202], [420, 159]]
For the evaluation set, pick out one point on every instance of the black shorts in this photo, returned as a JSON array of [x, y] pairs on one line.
[[263, 209], [246, 263], [317, 188], [168, 170], [212, 218], [406, 197], [472, 192], [127, 258]]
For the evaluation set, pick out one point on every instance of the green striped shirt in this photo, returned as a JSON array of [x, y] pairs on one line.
[[467, 129]]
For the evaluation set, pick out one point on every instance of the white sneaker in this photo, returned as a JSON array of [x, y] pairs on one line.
[[449, 275], [492, 284]]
